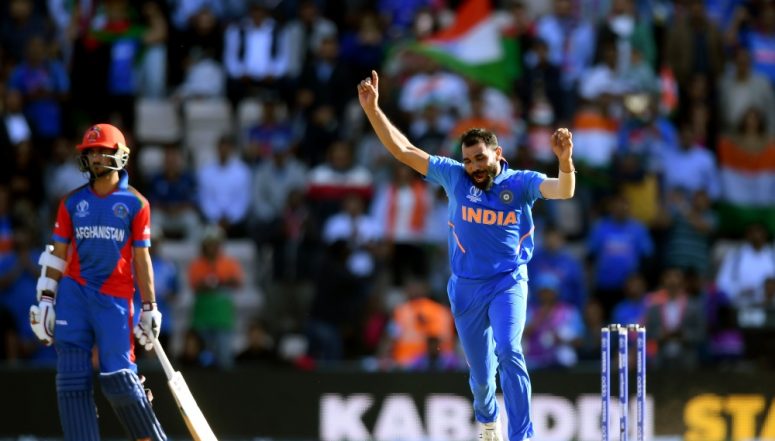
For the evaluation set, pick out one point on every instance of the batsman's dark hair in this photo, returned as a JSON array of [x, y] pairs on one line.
[[475, 136]]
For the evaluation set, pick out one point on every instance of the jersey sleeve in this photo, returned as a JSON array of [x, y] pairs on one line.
[[532, 181], [444, 171], [141, 227], [63, 227]]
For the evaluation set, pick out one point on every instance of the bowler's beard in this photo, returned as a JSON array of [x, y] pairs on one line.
[[485, 184]]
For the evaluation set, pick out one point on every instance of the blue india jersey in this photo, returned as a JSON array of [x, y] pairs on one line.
[[490, 232]]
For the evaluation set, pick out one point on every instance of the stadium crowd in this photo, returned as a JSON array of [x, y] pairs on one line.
[[284, 234]]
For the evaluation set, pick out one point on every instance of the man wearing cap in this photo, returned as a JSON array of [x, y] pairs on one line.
[[101, 248]]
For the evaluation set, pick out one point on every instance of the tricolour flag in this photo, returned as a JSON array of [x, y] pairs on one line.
[[747, 186], [474, 46]]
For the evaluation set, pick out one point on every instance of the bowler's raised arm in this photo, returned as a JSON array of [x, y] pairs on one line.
[[394, 141]]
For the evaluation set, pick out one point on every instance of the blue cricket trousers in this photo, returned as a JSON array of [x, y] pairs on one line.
[[490, 317]]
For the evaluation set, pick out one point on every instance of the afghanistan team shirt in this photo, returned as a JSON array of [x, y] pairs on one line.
[[102, 230], [490, 232]]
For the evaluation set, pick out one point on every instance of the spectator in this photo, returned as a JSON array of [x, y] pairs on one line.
[[742, 90], [745, 267], [335, 305], [339, 176], [676, 324], [595, 135], [14, 129], [554, 328], [255, 57], [20, 25], [417, 322], [604, 78], [305, 34], [571, 43], [273, 131], [541, 82], [214, 277], [761, 41], [694, 45], [105, 80], [431, 127], [173, 193], [632, 308], [364, 47], [619, 245], [44, 85], [295, 258], [152, 75], [623, 28], [318, 91], [747, 162], [196, 53], [553, 258], [362, 233], [502, 125], [594, 321], [19, 272], [691, 226], [401, 211], [431, 84], [260, 347], [643, 136], [63, 174], [221, 189], [691, 167], [26, 177], [273, 182], [194, 353]]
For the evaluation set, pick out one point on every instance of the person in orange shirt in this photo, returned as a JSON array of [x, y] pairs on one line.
[[415, 322], [214, 276]]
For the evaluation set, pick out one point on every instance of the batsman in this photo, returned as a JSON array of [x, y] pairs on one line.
[[490, 226], [101, 240]]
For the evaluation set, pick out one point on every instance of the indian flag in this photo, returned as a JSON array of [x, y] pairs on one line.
[[474, 46], [747, 186]]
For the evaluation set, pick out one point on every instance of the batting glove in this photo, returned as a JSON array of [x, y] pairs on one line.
[[42, 319], [150, 322]]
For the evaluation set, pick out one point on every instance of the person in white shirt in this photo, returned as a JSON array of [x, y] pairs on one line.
[[691, 166], [224, 196], [744, 269]]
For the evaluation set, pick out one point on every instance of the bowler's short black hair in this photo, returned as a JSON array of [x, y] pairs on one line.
[[475, 136]]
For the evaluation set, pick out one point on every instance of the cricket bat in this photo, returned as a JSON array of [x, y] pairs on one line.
[[192, 415]]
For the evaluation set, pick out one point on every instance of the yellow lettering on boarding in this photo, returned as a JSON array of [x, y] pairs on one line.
[[703, 419], [744, 409], [706, 419]]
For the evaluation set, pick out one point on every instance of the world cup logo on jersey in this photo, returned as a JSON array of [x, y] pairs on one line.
[[474, 194], [82, 209]]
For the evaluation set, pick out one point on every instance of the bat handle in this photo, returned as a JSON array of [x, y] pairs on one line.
[[165, 362]]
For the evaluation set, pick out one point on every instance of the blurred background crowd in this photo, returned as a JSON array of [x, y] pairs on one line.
[[284, 234]]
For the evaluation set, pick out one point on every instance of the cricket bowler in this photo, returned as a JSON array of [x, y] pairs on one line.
[[490, 242]]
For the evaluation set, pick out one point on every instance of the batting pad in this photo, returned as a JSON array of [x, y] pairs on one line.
[[127, 396], [75, 395]]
